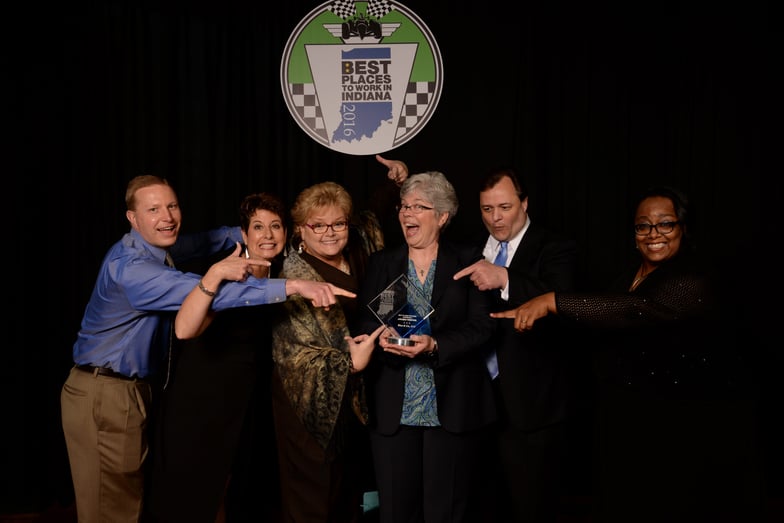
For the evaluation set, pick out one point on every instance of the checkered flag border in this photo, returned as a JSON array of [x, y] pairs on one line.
[[418, 98], [346, 9], [379, 8], [343, 8], [417, 101], [306, 103]]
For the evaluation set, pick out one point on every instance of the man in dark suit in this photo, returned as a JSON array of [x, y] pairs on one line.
[[530, 374]]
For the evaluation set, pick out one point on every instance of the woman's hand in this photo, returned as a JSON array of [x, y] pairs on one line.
[[526, 314], [423, 344], [361, 348]]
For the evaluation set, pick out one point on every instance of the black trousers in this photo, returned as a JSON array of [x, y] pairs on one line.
[[430, 474], [526, 476], [213, 418]]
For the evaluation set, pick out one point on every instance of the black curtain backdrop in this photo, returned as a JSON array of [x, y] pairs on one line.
[[591, 101]]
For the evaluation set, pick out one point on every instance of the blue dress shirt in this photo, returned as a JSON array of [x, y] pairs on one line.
[[125, 321]]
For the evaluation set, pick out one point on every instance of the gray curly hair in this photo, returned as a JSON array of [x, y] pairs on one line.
[[435, 188]]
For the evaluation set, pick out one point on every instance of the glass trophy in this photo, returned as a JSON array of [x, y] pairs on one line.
[[401, 307]]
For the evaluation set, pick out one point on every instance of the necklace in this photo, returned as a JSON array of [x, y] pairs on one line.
[[639, 279], [422, 270]]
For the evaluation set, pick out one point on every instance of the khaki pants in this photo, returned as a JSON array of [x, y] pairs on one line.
[[105, 423]]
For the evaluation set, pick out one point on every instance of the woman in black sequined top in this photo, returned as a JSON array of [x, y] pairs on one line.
[[674, 433]]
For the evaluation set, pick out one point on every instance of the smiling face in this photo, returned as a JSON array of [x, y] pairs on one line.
[[266, 235], [656, 247], [423, 228], [156, 215], [327, 246]]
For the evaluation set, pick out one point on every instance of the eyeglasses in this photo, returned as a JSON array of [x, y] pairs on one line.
[[415, 209], [644, 229], [321, 228]]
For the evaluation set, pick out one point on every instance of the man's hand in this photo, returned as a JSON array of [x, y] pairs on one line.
[[320, 294], [398, 171], [231, 268], [484, 275]]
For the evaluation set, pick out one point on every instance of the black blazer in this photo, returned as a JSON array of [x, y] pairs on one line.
[[462, 326], [533, 369]]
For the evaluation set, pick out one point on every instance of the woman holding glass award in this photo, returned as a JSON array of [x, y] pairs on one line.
[[429, 394]]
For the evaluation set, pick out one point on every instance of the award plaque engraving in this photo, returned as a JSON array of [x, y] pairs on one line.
[[402, 307]]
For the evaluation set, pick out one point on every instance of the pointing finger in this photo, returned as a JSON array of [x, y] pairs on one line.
[[338, 291], [465, 272], [503, 314]]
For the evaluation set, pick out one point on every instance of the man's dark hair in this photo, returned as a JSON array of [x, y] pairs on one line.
[[492, 177]]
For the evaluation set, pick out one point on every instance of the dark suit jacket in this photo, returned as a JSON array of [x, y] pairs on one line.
[[461, 324], [532, 365]]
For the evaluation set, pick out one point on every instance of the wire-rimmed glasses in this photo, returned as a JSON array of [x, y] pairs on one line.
[[321, 228], [413, 209]]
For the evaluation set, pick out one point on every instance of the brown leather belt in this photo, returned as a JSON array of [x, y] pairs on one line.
[[104, 371]]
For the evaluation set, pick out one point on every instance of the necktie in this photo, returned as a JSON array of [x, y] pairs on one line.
[[169, 263], [500, 258], [492, 360]]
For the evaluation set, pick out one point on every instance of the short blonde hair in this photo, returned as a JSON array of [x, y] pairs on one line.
[[323, 194], [140, 182]]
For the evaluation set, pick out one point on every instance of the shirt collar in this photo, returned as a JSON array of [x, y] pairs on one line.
[[492, 246], [158, 252]]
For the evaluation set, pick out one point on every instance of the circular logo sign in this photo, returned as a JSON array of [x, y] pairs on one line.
[[361, 77]]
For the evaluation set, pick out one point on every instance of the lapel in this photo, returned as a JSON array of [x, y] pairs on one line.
[[528, 250], [446, 267], [397, 262]]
